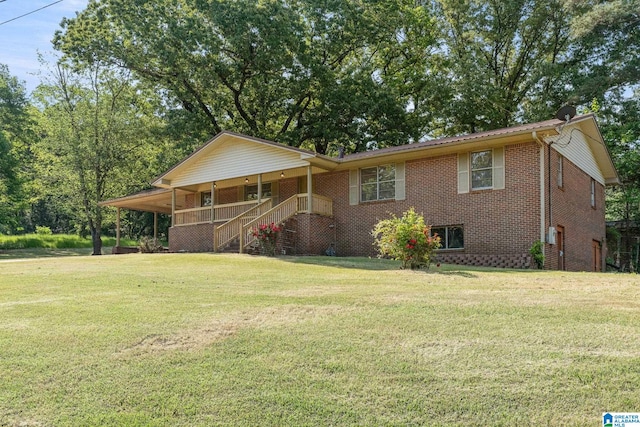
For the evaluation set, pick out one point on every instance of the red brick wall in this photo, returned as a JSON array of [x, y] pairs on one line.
[[227, 195], [314, 233], [191, 238], [499, 225], [496, 222], [571, 208], [288, 187], [189, 201]]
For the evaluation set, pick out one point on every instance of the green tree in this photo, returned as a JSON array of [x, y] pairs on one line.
[[310, 73], [505, 59], [98, 141], [14, 147]]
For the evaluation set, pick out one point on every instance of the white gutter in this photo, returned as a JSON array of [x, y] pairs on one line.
[[543, 224]]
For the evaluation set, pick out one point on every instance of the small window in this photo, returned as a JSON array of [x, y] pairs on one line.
[[481, 170], [593, 193], [378, 183], [205, 199], [251, 191], [560, 171], [451, 236]]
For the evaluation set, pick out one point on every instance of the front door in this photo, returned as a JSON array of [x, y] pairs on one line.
[[597, 256], [560, 242]]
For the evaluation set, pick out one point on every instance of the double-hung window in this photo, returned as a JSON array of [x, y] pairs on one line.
[[451, 236], [482, 170], [378, 183]]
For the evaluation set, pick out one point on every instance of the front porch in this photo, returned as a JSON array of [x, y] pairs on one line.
[[233, 183], [214, 228]]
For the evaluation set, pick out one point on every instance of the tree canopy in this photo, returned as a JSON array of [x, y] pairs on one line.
[[14, 141], [308, 73]]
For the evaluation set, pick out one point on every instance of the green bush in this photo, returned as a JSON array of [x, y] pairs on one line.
[[407, 239], [43, 230], [537, 254]]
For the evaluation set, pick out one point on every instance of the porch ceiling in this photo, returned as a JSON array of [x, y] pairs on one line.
[[156, 200]]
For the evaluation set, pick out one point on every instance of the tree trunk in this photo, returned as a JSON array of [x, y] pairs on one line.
[[97, 241]]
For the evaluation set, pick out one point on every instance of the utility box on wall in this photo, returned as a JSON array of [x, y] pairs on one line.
[[551, 236]]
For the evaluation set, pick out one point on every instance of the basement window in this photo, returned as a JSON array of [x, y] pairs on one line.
[[451, 236]]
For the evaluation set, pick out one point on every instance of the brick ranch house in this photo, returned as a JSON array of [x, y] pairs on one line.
[[489, 195]]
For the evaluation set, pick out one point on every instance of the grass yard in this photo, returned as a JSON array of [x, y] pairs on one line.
[[206, 339]]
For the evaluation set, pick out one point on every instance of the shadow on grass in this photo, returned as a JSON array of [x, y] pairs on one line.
[[362, 263], [34, 253]]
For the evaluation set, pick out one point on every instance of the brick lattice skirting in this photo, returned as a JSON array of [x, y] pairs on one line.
[[501, 261], [191, 238]]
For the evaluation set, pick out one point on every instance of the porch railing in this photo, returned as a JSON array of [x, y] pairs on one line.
[[225, 233], [202, 215], [321, 205], [285, 210]]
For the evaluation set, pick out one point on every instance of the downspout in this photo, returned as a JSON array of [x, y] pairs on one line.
[[543, 224]]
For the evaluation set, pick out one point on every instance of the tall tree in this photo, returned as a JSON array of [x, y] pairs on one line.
[[310, 73], [14, 142], [505, 60], [98, 140]]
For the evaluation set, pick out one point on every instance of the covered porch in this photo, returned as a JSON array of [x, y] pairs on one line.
[[230, 185]]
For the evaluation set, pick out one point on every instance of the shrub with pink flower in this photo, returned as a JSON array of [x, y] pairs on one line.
[[407, 239], [267, 236]]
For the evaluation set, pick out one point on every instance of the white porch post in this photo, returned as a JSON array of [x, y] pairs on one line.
[[173, 207], [213, 201], [155, 226], [309, 190], [117, 227], [259, 188]]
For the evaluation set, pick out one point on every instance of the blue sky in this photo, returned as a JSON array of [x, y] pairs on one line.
[[22, 39]]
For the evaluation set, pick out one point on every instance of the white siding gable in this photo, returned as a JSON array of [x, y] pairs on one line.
[[573, 145], [237, 158]]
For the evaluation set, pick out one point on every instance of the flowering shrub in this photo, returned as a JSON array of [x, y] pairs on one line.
[[267, 235], [407, 239]]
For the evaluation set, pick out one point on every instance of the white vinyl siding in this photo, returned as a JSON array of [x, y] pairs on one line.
[[574, 147], [237, 158]]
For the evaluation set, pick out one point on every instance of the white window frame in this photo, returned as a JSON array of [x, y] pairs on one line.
[[465, 171], [593, 193], [485, 168], [560, 171], [378, 182]]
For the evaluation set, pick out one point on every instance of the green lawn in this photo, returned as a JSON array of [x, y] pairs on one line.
[[205, 339]]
